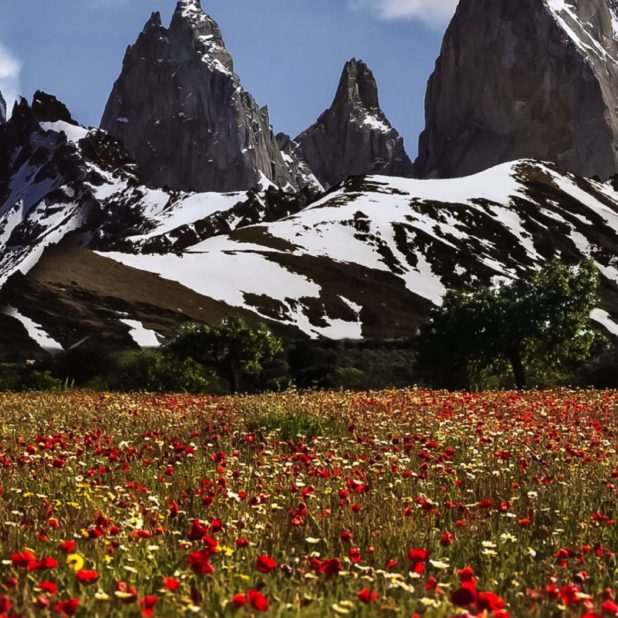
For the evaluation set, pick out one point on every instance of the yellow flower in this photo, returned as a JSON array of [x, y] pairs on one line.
[[75, 562]]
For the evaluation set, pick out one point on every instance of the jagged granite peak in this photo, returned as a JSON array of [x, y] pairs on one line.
[[358, 85], [2, 108], [532, 78], [190, 17], [47, 108], [353, 136], [183, 114]]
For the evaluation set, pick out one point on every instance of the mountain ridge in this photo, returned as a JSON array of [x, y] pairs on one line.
[[94, 244], [91, 248]]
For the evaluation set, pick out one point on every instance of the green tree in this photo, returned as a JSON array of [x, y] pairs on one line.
[[156, 372], [540, 320], [231, 349]]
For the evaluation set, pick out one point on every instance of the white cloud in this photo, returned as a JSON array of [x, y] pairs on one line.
[[433, 12], [10, 70]]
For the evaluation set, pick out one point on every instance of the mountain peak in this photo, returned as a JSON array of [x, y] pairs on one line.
[[183, 115], [353, 137], [154, 21], [190, 8], [2, 108], [358, 85], [556, 63], [191, 20], [47, 108], [191, 12]]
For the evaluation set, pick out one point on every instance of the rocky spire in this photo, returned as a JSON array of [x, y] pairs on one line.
[[183, 114], [526, 79], [354, 136], [2, 108], [357, 86]]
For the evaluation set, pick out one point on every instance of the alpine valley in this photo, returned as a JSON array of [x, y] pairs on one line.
[[186, 205]]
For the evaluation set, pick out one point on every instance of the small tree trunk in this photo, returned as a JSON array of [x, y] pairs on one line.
[[519, 371], [232, 379]]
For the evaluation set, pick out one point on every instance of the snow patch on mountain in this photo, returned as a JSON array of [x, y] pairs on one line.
[[422, 231], [144, 337], [603, 317], [74, 133], [36, 332], [582, 33]]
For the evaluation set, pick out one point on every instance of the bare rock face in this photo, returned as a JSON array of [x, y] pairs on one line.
[[183, 114], [299, 169], [2, 109], [353, 136], [531, 78]]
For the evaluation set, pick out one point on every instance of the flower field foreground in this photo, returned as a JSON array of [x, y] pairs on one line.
[[400, 503]]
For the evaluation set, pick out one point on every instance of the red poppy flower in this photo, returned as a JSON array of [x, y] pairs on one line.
[[489, 601], [463, 597], [570, 594], [68, 546], [346, 535], [447, 539], [257, 600], [216, 525], [67, 607], [354, 554], [367, 596], [329, 566], [197, 531], [610, 608], [418, 555], [45, 564], [239, 600], [466, 575], [23, 559], [171, 583], [148, 603], [48, 587], [211, 544], [199, 561], [265, 564], [5, 605], [86, 576], [242, 543]]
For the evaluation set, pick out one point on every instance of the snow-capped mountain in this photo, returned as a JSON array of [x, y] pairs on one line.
[[97, 248], [375, 253], [58, 178], [91, 253], [2, 108], [525, 79]]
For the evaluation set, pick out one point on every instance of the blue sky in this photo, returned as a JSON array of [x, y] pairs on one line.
[[289, 53]]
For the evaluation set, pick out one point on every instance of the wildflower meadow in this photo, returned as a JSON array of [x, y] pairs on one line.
[[398, 503]]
